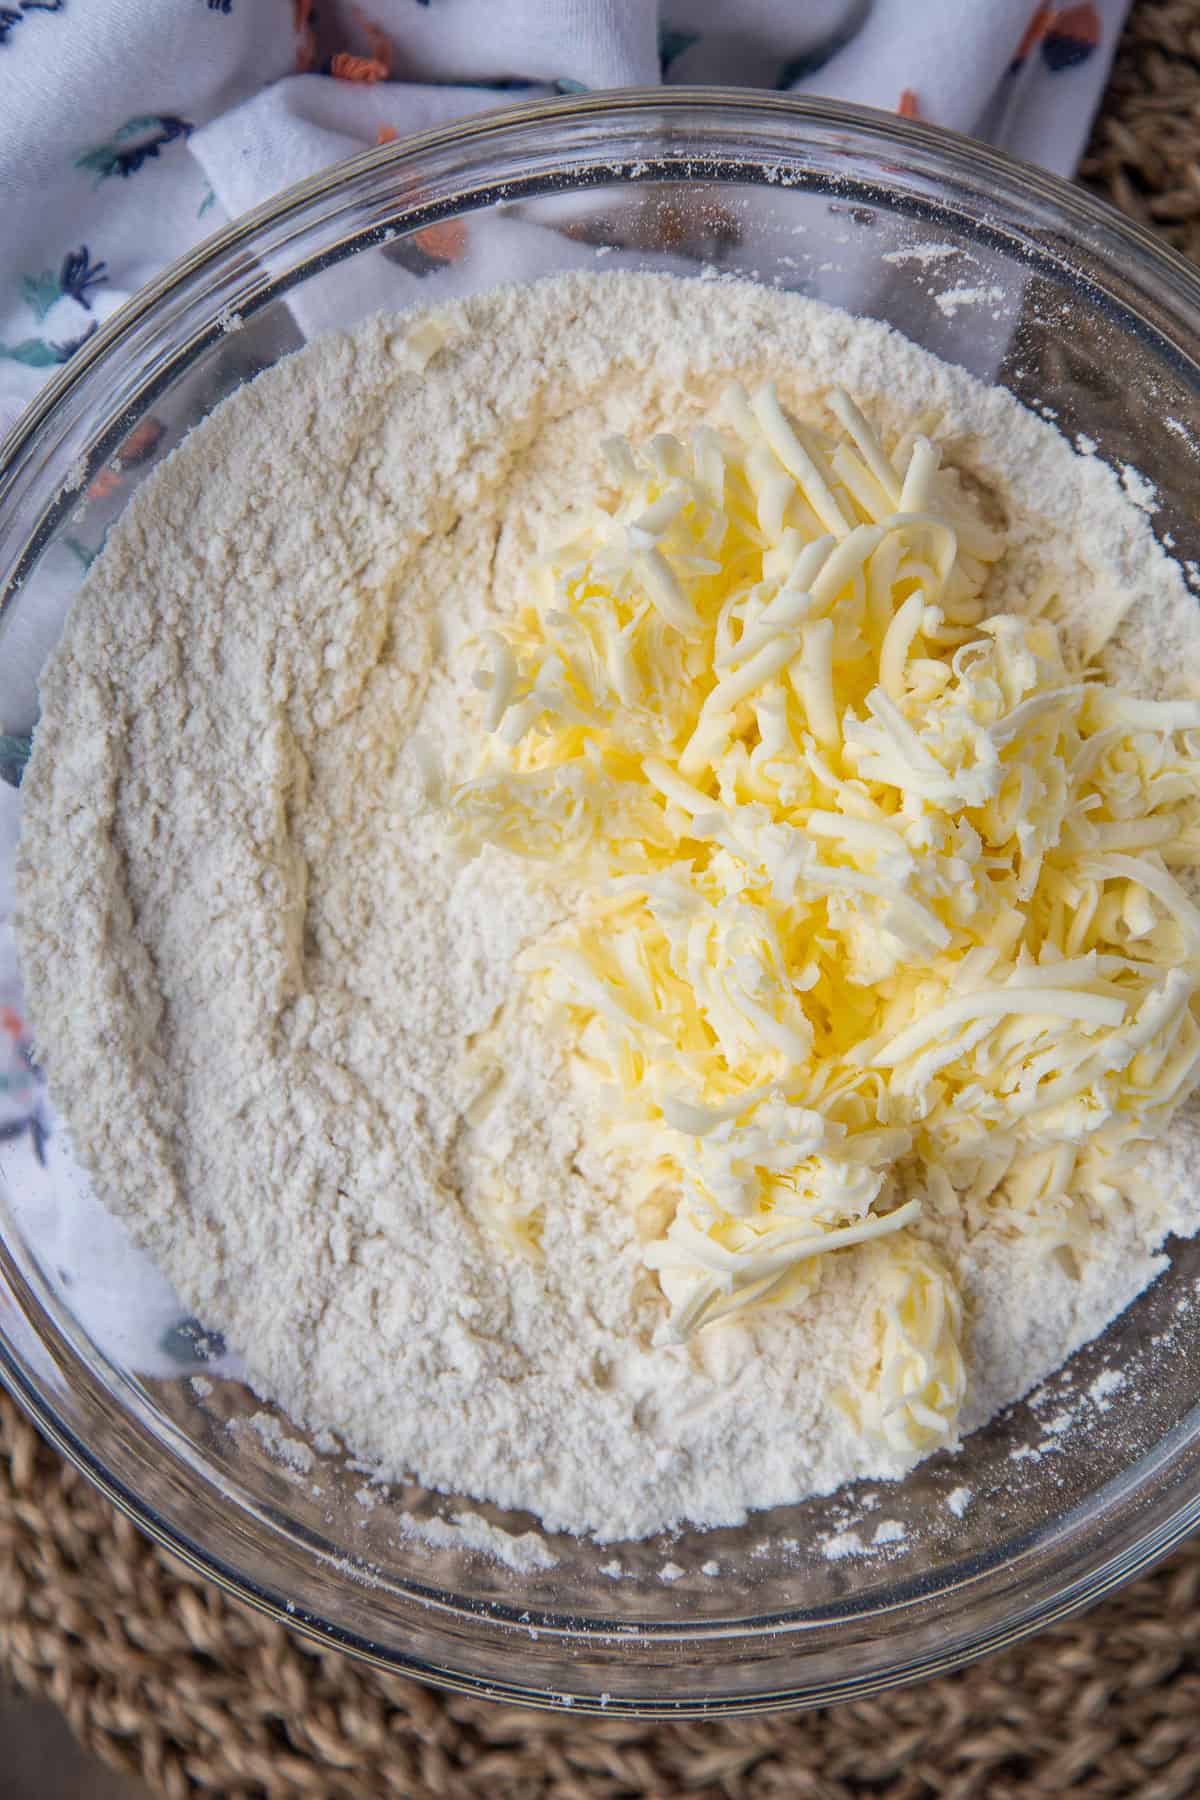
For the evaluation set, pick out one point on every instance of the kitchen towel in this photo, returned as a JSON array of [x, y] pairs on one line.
[[130, 129]]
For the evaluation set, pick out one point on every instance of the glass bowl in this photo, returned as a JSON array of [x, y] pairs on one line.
[[1024, 281]]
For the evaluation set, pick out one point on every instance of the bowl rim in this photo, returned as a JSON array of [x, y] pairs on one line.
[[985, 168], [615, 102], [323, 1633]]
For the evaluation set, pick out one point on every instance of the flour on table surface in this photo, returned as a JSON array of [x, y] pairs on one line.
[[278, 1007]]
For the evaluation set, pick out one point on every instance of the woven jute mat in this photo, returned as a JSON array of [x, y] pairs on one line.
[[1144, 155], [162, 1676]]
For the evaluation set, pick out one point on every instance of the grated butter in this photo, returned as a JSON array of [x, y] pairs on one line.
[[879, 899]]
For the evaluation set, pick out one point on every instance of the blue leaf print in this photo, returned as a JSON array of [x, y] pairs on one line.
[[13, 15], [84, 556], [38, 1134], [32, 352], [672, 44], [135, 143], [74, 281], [78, 274], [65, 351], [14, 754], [190, 1342], [40, 292], [36, 353], [221, 6], [809, 61], [1071, 36], [20, 1097]]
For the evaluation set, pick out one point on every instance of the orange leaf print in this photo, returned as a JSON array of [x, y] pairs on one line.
[[379, 43], [1035, 31], [908, 107], [387, 134], [368, 69], [446, 240], [107, 482], [140, 442], [1079, 22]]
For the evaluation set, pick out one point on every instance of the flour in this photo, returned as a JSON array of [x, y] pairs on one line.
[[889, 1536], [889, 1531], [926, 253], [524, 1551], [1141, 492], [280, 1011], [840, 1544], [291, 1452], [953, 299]]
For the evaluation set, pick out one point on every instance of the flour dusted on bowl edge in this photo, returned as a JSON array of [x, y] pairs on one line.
[[277, 1002]]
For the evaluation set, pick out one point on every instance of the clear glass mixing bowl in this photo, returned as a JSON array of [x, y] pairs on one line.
[[1011, 273]]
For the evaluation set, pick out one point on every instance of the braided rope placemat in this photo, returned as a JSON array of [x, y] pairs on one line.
[[165, 1678], [162, 1676], [1144, 153]]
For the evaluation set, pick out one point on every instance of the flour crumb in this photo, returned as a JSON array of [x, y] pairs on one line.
[[950, 302], [1107, 1384], [289, 1451], [525, 1553], [202, 1387], [889, 1531], [671, 1571], [710, 1568], [958, 1500], [1180, 430], [612, 1570], [1142, 493], [842, 1544], [926, 254]]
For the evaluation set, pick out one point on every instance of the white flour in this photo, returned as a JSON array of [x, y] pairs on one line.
[[468, 1531], [272, 1000]]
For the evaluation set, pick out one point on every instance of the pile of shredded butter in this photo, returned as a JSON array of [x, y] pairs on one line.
[[879, 919]]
